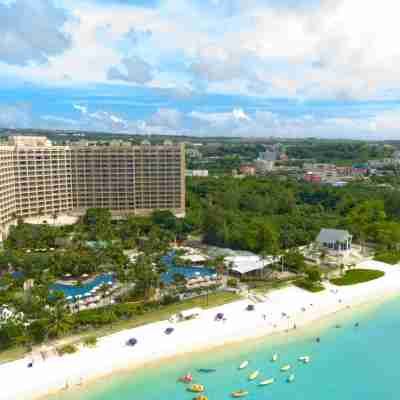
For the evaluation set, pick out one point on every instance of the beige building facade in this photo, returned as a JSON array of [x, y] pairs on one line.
[[37, 178]]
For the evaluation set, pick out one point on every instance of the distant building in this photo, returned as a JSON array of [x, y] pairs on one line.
[[193, 153], [264, 166], [202, 173], [359, 169], [247, 170], [312, 178], [337, 240], [269, 155]]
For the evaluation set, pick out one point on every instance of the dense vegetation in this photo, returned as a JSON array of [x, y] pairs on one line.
[[336, 151], [268, 215], [355, 276]]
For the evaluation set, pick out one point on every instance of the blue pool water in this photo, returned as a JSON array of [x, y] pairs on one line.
[[349, 363], [69, 290], [187, 272]]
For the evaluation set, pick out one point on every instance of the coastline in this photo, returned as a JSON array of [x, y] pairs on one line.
[[111, 355]]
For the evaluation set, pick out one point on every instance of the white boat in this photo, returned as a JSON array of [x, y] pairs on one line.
[[274, 357], [290, 378], [286, 367], [305, 359], [253, 375], [243, 365], [267, 382]]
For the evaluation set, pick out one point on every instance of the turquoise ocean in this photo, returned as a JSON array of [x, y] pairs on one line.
[[349, 362]]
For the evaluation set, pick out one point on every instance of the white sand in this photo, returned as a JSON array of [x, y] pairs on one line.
[[111, 354]]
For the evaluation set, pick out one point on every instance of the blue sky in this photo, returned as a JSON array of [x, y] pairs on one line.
[[326, 68]]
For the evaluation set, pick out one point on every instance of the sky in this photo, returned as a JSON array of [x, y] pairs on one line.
[[259, 68]]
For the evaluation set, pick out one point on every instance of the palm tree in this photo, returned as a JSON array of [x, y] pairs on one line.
[[55, 216], [60, 321]]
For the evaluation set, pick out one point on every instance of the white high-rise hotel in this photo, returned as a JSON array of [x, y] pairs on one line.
[[38, 178]]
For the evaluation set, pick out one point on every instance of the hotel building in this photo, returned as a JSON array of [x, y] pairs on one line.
[[38, 178]]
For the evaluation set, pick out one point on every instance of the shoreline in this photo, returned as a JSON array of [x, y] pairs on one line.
[[111, 355]]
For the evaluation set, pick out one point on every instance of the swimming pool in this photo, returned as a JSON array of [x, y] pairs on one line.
[[74, 291], [187, 272]]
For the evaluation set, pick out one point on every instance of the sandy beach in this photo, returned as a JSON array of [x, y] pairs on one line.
[[282, 310]]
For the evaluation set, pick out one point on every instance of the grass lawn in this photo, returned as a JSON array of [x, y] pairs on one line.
[[162, 313], [388, 257], [355, 276]]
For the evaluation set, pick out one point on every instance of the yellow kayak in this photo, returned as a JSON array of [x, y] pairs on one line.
[[285, 368], [196, 388], [240, 393], [253, 375], [267, 382], [200, 398]]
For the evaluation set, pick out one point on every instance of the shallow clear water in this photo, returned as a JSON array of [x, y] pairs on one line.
[[349, 363]]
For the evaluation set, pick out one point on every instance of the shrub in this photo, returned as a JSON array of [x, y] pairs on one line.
[[389, 257], [67, 349], [90, 341], [306, 284], [232, 282]]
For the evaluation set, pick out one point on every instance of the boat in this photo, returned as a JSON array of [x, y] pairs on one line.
[[206, 370], [267, 382], [196, 388], [186, 378], [305, 359], [243, 365], [286, 368], [274, 357], [290, 378], [253, 375], [239, 393], [200, 398]]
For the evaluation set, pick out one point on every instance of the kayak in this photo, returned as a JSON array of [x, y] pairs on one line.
[[240, 393], [206, 370], [290, 378], [243, 365], [285, 368], [253, 375], [196, 388], [186, 378], [267, 382], [200, 398], [274, 357]]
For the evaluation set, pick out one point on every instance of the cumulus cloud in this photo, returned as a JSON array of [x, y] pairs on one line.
[[134, 69], [167, 117], [31, 31]]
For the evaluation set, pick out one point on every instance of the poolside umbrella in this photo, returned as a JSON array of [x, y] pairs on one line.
[[68, 275], [85, 275], [70, 297]]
